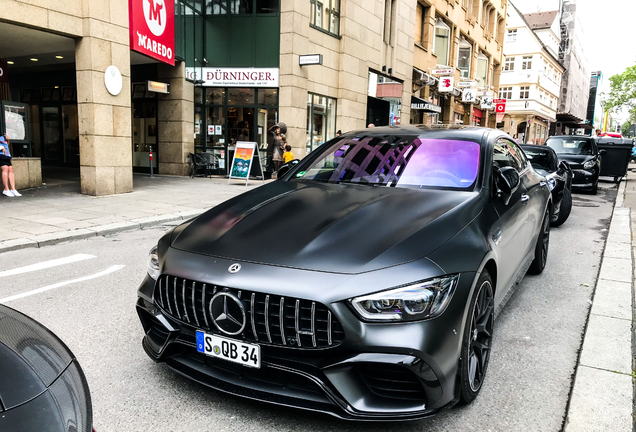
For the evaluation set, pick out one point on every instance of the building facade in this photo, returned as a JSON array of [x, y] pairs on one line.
[[531, 75], [575, 85], [464, 37], [235, 69]]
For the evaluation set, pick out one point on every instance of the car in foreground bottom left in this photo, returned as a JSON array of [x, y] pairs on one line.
[[42, 386]]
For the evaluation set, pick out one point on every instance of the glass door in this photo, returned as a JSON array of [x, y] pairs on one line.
[[51, 134]]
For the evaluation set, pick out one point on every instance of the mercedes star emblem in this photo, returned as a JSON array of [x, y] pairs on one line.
[[228, 313], [234, 268]]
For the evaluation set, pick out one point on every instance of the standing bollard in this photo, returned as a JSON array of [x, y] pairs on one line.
[[151, 170]]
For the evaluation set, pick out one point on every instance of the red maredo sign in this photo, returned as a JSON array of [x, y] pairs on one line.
[[152, 28], [500, 105]]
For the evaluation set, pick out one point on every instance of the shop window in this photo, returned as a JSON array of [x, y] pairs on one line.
[[267, 96], [241, 7], [321, 120], [215, 95], [267, 6], [240, 96], [524, 92], [526, 64], [482, 70], [325, 16], [509, 64], [441, 43], [464, 56]]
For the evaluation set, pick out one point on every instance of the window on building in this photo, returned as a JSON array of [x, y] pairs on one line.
[[505, 92], [325, 15], [524, 92], [321, 120], [441, 43], [464, 56], [512, 36], [241, 7], [482, 70], [541, 96], [509, 64], [421, 27], [526, 64]]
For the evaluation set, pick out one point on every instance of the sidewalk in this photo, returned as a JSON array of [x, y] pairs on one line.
[[603, 392], [58, 212]]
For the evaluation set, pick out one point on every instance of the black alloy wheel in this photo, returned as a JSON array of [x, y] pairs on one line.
[[541, 248], [477, 340]]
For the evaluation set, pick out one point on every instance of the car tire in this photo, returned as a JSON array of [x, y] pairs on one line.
[[541, 248], [477, 341], [565, 209]]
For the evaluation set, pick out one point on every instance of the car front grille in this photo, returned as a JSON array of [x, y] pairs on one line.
[[391, 381], [270, 319]]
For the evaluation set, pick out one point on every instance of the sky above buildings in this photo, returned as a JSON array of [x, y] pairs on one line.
[[608, 27]]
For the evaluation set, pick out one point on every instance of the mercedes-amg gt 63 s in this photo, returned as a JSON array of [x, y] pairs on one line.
[[363, 283]]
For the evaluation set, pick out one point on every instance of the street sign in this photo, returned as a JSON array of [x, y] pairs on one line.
[[467, 84], [469, 95], [310, 59], [446, 84], [442, 71]]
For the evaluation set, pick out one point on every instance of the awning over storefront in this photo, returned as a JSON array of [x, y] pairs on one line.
[[423, 105]]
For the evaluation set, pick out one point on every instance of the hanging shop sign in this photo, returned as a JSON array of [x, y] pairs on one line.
[[469, 95], [442, 71], [246, 156], [158, 87], [234, 77], [500, 105], [487, 102], [152, 28], [446, 84], [467, 84], [310, 59], [421, 104]]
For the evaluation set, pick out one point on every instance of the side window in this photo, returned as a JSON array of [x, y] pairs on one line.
[[503, 156], [518, 154]]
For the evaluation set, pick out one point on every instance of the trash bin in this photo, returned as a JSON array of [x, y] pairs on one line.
[[615, 158]]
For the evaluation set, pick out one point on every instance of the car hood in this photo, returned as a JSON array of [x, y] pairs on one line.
[[340, 228], [32, 358], [574, 158]]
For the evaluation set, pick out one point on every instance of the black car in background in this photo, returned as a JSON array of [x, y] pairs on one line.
[[559, 176], [363, 283], [42, 386], [583, 156]]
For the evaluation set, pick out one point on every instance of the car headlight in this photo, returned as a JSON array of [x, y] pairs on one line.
[[153, 263], [419, 301], [551, 182], [589, 164]]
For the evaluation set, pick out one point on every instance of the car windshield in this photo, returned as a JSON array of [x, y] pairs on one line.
[[570, 145], [436, 163], [541, 159]]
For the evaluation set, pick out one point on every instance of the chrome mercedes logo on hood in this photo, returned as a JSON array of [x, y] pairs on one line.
[[228, 313], [234, 268]]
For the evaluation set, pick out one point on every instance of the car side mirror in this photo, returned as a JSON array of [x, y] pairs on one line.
[[602, 152], [563, 165], [286, 167], [507, 181]]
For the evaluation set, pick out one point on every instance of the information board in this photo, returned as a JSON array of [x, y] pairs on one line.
[[245, 158], [15, 121]]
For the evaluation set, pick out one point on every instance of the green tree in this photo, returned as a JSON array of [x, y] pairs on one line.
[[625, 127], [622, 92]]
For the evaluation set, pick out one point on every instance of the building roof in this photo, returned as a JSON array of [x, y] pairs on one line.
[[541, 20]]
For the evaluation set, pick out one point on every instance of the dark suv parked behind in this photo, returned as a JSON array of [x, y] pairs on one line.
[[583, 156]]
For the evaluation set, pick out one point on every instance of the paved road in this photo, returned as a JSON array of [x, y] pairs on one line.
[[537, 339]]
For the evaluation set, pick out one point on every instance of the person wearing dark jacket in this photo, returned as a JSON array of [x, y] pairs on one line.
[[273, 143]]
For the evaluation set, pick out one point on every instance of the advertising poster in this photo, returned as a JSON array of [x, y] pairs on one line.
[[15, 121], [243, 160]]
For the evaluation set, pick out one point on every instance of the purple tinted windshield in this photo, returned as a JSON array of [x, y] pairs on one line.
[[442, 163]]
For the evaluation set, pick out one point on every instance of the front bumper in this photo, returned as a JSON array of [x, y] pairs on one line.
[[583, 178], [379, 372]]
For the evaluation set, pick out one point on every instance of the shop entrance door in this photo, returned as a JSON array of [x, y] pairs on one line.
[[51, 134]]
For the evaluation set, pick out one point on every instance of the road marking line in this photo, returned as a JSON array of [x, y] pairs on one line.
[[61, 284], [47, 264]]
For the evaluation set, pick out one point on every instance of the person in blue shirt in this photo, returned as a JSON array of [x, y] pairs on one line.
[[8, 178]]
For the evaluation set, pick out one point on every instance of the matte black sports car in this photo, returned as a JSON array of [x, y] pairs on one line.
[[42, 387], [583, 156], [363, 283], [559, 176]]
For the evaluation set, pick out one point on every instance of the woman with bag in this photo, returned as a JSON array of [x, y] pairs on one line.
[[8, 178]]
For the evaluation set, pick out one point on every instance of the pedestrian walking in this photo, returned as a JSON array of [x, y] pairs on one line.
[[8, 178], [288, 155]]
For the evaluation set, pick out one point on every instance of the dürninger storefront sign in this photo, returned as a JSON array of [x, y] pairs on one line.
[[152, 28], [234, 77]]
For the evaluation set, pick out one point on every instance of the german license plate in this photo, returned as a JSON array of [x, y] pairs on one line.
[[229, 349]]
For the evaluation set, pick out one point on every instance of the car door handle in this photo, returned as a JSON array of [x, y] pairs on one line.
[[496, 237], [524, 198], [542, 183]]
